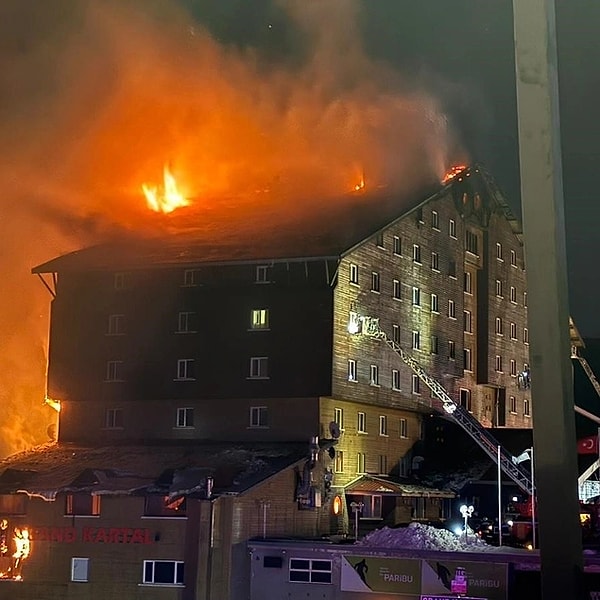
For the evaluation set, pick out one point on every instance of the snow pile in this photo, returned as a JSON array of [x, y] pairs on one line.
[[425, 537]]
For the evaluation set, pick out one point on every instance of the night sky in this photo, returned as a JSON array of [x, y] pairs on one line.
[[465, 56]]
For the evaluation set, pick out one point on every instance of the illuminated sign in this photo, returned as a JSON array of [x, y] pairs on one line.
[[93, 535]]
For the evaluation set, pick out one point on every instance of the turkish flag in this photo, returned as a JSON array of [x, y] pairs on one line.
[[588, 445]]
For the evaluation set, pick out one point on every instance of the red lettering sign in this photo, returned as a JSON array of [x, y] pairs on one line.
[[93, 535]]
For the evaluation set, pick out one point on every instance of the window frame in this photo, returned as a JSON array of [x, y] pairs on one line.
[[452, 229], [435, 262], [403, 428], [361, 422], [184, 417], [77, 561], [185, 323], [417, 254], [396, 380], [114, 418], [78, 503], [259, 417], [435, 220], [451, 309], [178, 573], [185, 369], [383, 425], [114, 371], [115, 325], [352, 370], [416, 296], [397, 249], [374, 375], [260, 319], [258, 368], [353, 274], [375, 282], [396, 290]]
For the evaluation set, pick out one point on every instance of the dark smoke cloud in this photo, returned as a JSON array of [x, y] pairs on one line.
[[96, 96]]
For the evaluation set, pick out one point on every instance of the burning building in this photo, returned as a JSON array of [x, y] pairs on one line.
[[212, 386]]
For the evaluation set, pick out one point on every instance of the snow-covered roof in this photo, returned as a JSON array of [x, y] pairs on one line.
[[367, 484]]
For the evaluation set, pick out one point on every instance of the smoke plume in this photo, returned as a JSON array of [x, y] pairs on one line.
[[98, 95]]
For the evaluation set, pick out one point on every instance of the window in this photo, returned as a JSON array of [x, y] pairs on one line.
[[185, 369], [452, 268], [512, 405], [499, 326], [186, 322], [498, 364], [375, 281], [80, 569], [416, 296], [451, 350], [435, 344], [419, 214], [259, 318], [513, 331], [374, 375], [339, 461], [435, 219], [114, 370], [163, 506], [382, 465], [361, 462], [465, 400], [526, 335], [259, 367], [468, 321], [338, 417], [395, 379], [13, 504], [116, 325], [416, 340], [163, 572], [258, 416], [396, 293], [467, 359], [113, 418], [82, 504], [191, 277], [185, 417], [262, 274], [308, 570], [513, 258], [383, 425], [513, 294], [526, 407], [403, 431], [468, 283], [396, 333], [416, 253], [525, 299], [379, 240], [352, 376], [120, 281], [416, 385], [499, 251], [361, 422], [397, 245], [452, 228], [513, 367], [435, 261], [498, 288], [471, 243], [353, 273], [451, 309], [435, 306]]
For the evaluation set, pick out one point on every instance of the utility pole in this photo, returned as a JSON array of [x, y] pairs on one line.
[[548, 312]]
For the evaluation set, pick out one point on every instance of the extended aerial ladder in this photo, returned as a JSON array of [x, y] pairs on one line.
[[369, 326]]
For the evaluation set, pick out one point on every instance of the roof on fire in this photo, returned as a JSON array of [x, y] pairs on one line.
[[313, 231], [53, 468]]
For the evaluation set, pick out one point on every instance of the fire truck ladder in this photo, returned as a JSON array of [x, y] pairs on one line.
[[369, 326]]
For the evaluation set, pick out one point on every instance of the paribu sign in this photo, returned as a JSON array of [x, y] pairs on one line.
[[94, 535], [424, 578]]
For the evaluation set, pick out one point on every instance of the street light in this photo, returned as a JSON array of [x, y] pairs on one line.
[[466, 512], [356, 509]]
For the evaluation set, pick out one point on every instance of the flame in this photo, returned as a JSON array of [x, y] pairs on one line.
[[360, 185], [452, 173], [165, 198], [55, 404]]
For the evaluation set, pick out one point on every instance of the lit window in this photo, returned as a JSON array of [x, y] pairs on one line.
[[352, 372], [80, 569], [416, 385], [116, 325], [451, 309], [361, 462], [499, 251], [379, 240], [512, 404], [499, 326], [259, 367], [498, 364], [82, 504], [435, 344], [403, 428], [467, 358], [513, 331], [185, 417], [114, 370], [397, 245], [395, 379], [451, 350], [416, 253], [186, 322], [468, 321], [374, 375], [258, 416], [416, 296], [259, 318], [361, 422], [353, 273], [382, 464], [382, 425], [452, 228], [513, 294], [338, 417], [396, 293], [465, 400], [416, 340], [163, 506], [435, 219], [166, 572], [262, 274], [113, 418], [435, 306], [513, 258], [185, 369], [191, 277], [396, 333], [435, 261], [375, 281], [498, 288], [339, 461]]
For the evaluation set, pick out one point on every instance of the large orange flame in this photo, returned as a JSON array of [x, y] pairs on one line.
[[452, 172], [165, 198]]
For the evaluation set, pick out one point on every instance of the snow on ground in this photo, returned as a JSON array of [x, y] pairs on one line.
[[425, 537]]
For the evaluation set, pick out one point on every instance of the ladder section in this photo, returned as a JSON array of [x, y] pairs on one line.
[[369, 326], [588, 370]]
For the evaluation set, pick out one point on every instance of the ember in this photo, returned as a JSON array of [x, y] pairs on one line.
[[452, 173]]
